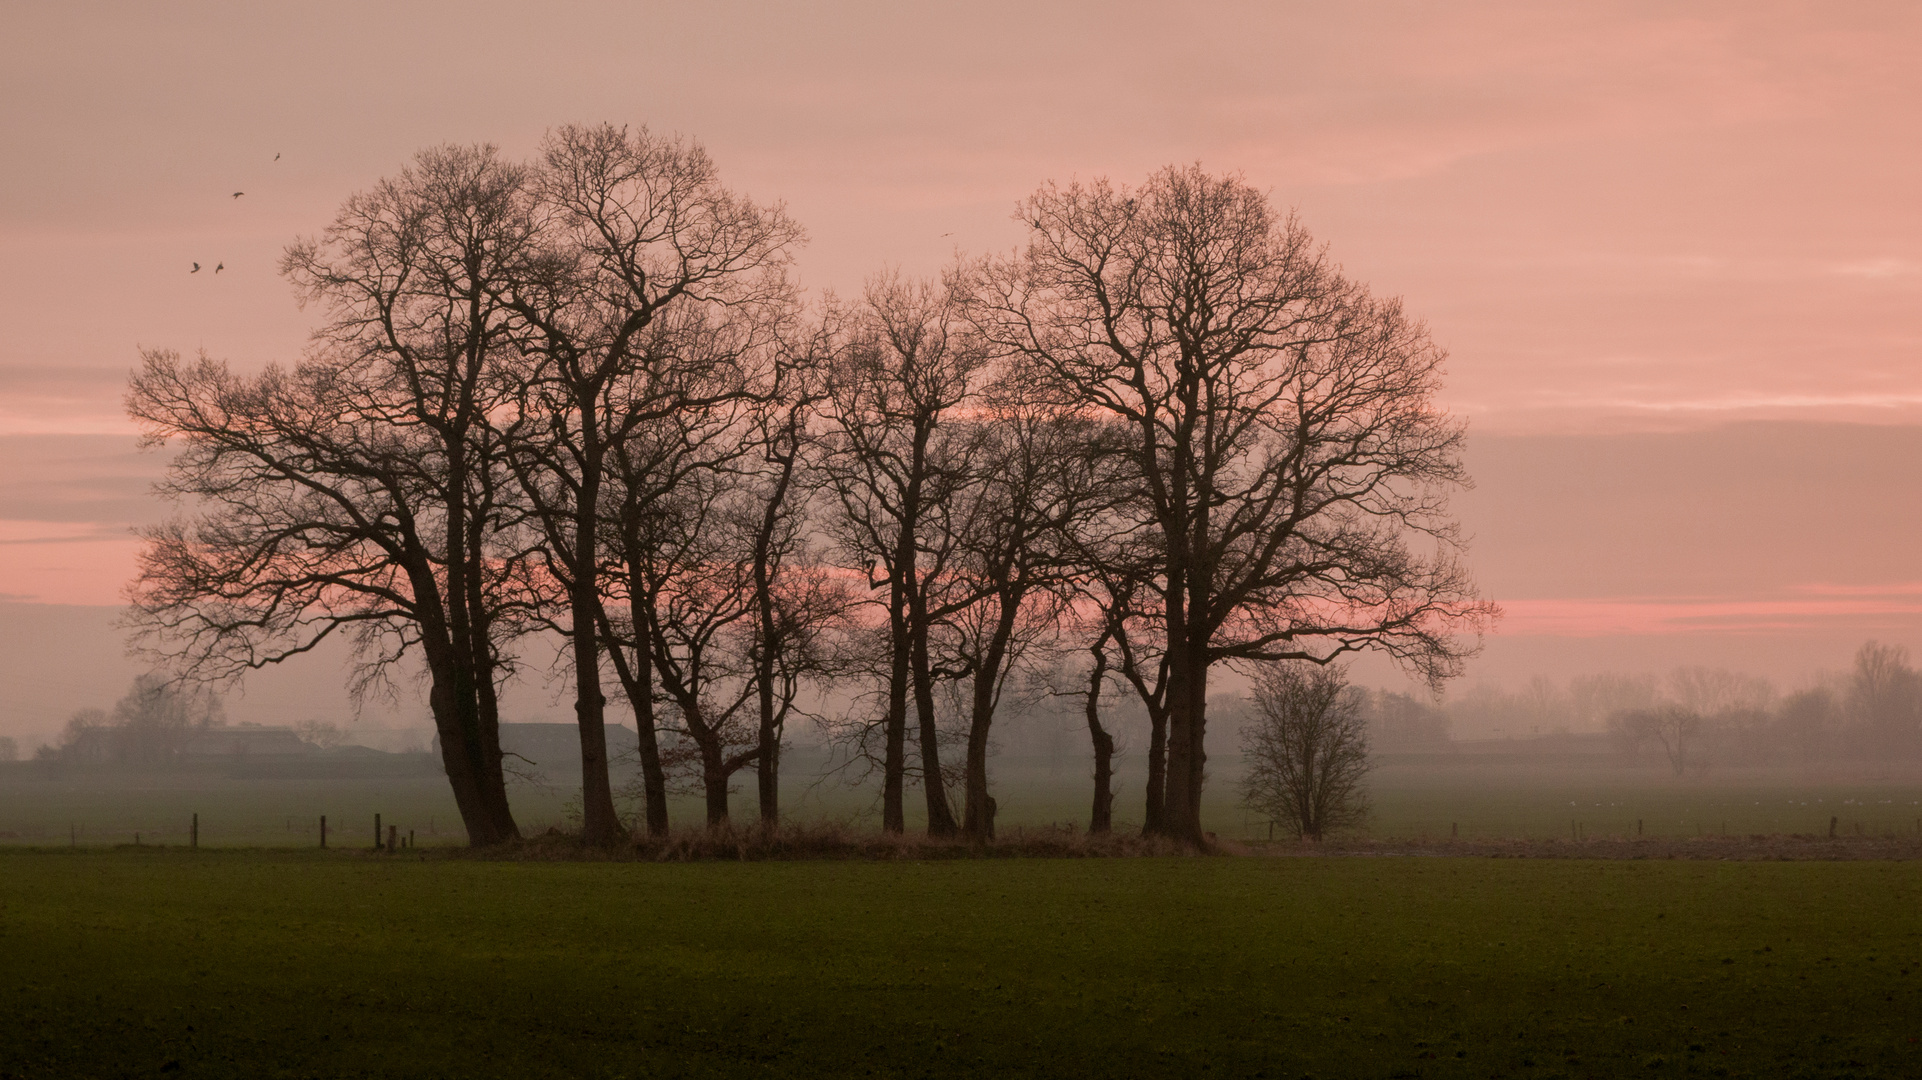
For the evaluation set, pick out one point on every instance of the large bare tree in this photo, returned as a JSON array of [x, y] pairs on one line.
[[362, 492], [1284, 433], [635, 227]]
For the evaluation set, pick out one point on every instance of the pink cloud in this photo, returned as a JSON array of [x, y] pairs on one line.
[[1867, 607]]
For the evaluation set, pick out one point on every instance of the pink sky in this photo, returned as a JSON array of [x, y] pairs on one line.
[[1628, 222]]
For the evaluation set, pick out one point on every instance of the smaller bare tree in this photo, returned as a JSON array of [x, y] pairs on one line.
[[1306, 747], [1677, 728]]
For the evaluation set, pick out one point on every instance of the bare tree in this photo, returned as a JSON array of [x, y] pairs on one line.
[[157, 717], [1285, 439], [635, 228], [1306, 750], [1885, 698], [360, 493], [898, 465], [725, 598], [1677, 728], [1041, 479], [798, 605]]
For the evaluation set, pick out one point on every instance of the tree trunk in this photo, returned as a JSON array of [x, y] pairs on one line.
[[1187, 703], [767, 763], [492, 784], [638, 681], [1101, 816], [978, 819], [894, 765], [600, 825], [1154, 820], [461, 754], [469, 654], [941, 821], [714, 776]]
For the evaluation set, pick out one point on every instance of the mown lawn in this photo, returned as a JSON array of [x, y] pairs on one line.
[[261, 963]]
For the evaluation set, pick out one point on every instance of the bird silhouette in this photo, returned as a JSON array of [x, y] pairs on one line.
[[218, 267], [238, 194], [195, 270], [276, 157]]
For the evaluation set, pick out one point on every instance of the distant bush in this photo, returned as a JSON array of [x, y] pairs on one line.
[[1306, 750]]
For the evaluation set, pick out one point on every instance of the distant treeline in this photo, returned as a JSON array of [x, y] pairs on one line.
[[160, 724], [1691, 717]]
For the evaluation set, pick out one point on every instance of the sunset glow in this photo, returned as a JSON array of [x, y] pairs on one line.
[[1625, 223]]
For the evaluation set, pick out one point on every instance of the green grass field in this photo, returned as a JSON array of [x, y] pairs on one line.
[[263, 963]]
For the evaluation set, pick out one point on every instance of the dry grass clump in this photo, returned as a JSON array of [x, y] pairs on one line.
[[832, 841]]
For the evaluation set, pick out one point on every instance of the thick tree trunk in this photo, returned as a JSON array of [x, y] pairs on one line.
[[600, 825], [1154, 821], [894, 764], [977, 815], [1187, 703], [459, 755], [469, 652], [767, 762], [492, 784], [714, 776], [463, 753], [941, 821], [480, 653], [454, 704]]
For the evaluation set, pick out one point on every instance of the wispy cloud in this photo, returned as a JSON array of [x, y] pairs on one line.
[[1808, 607], [1878, 268]]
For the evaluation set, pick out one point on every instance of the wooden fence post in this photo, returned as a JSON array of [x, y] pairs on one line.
[[376, 832], [323, 832], [194, 835]]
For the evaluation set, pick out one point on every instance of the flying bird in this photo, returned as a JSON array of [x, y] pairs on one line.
[[276, 157], [238, 194], [218, 267], [195, 270]]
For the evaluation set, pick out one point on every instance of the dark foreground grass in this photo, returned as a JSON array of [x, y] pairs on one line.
[[251, 963]]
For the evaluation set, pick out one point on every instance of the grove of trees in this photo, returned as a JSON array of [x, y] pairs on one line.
[[580, 399]]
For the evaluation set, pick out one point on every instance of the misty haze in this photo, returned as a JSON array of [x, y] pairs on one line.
[[1042, 542]]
